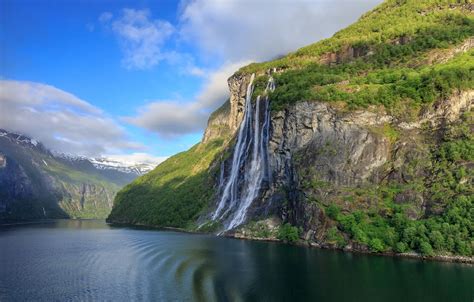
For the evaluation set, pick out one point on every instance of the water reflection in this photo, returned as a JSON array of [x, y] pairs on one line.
[[89, 260]]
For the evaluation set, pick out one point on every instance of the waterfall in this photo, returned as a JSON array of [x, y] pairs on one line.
[[249, 162]]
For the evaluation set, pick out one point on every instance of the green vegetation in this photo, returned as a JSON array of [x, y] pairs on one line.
[[288, 233], [451, 232], [258, 229], [395, 22], [173, 194], [388, 56], [259, 85], [210, 226], [448, 230], [334, 236], [389, 132], [360, 86]]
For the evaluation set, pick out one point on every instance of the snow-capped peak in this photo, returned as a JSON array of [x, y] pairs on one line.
[[136, 163], [19, 138], [138, 168]]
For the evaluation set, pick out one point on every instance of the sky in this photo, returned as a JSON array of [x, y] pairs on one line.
[[138, 79]]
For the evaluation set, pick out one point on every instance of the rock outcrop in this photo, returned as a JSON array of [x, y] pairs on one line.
[[318, 152], [337, 151]]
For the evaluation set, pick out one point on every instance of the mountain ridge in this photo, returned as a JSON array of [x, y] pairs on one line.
[[36, 183]]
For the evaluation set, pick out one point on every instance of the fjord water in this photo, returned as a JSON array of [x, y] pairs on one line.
[[74, 260]]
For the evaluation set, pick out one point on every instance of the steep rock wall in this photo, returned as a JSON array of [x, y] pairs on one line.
[[320, 151]]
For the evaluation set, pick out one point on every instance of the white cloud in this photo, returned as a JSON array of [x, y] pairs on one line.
[[169, 118], [259, 30], [174, 118], [62, 121], [33, 94], [239, 32], [141, 37]]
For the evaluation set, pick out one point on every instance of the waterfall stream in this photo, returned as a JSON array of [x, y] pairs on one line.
[[249, 162]]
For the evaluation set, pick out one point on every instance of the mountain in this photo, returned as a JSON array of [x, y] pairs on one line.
[[36, 183], [131, 167], [363, 141]]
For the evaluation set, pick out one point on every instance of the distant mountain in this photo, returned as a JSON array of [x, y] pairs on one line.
[[36, 183], [137, 168], [120, 172]]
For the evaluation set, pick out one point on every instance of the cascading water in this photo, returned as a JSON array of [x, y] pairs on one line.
[[249, 162]]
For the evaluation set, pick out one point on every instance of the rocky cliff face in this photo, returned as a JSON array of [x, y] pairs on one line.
[[322, 154], [225, 121], [35, 184]]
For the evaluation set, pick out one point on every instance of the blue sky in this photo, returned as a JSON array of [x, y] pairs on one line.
[[140, 77]]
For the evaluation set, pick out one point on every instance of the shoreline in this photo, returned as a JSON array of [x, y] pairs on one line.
[[40, 221], [436, 258], [412, 255], [26, 222]]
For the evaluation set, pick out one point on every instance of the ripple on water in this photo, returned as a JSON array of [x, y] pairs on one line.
[[68, 263]]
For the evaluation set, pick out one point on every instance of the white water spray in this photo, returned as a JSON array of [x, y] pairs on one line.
[[246, 176]]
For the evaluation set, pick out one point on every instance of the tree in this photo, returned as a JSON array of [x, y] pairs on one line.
[[401, 247], [437, 239], [426, 248]]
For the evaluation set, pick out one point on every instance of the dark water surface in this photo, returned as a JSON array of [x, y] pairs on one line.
[[91, 261]]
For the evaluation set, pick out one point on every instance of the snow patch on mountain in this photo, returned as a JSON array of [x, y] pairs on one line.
[[138, 168], [20, 139], [135, 163]]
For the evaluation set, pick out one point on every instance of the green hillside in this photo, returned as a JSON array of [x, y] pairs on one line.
[[174, 193], [394, 53], [399, 58]]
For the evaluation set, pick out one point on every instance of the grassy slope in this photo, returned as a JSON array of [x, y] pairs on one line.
[[381, 26], [173, 194], [396, 44]]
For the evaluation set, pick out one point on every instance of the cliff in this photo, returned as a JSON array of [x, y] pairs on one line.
[[36, 184], [368, 144]]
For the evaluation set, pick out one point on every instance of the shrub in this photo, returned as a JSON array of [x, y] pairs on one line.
[[376, 245], [401, 247], [334, 236], [288, 233], [333, 211], [426, 248]]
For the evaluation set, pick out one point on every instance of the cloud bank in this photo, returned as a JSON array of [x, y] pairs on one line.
[[60, 120], [261, 30], [171, 118], [237, 33]]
